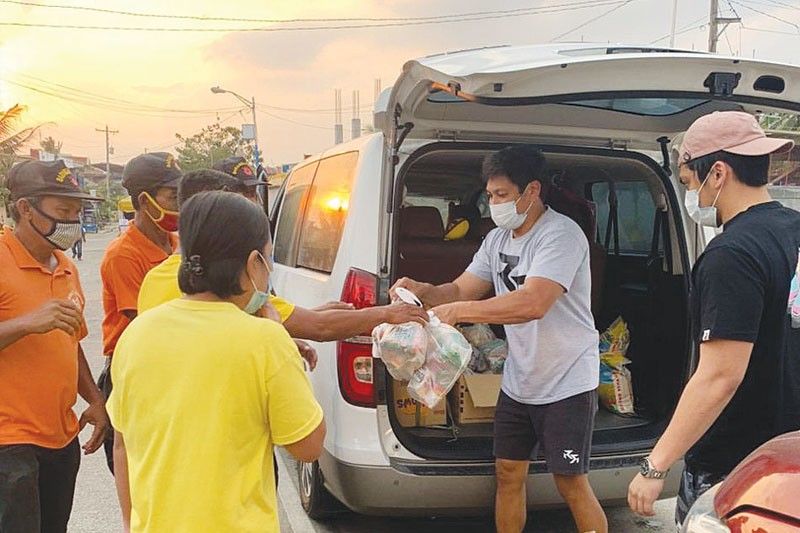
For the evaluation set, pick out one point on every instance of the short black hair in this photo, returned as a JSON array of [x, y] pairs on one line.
[[750, 170], [219, 230], [205, 179], [14, 213], [521, 163]]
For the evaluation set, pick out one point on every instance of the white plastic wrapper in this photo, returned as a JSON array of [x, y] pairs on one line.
[[402, 347], [448, 355]]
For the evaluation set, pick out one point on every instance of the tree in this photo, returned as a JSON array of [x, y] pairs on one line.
[[51, 146], [10, 142], [213, 143], [780, 121]]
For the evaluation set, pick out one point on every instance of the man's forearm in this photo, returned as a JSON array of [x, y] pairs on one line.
[[512, 308], [11, 331], [121, 479], [440, 294], [334, 324], [700, 405], [86, 385]]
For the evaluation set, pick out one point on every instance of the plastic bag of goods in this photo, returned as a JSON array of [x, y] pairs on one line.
[[496, 353], [448, 355], [616, 385], [478, 363], [477, 334], [616, 339], [402, 347]]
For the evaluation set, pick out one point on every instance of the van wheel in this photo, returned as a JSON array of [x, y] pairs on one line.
[[318, 503]]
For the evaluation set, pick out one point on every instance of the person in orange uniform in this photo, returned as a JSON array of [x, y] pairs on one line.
[[152, 181], [251, 185], [42, 366]]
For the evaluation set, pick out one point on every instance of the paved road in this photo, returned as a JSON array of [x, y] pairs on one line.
[[96, 509]]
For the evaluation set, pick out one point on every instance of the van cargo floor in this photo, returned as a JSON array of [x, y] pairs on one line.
[[607, 420]]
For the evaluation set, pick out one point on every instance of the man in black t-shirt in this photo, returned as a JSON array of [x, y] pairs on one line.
[[746, 388]]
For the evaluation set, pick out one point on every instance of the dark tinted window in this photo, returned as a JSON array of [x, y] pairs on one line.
[[636, 213]]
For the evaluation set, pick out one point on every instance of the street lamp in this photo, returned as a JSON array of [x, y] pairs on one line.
[[252, 105]]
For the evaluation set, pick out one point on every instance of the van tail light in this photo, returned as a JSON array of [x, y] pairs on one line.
[[354, 355]]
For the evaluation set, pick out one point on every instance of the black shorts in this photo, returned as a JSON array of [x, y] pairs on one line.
[[561, 431], [37, 486], [694, 483]]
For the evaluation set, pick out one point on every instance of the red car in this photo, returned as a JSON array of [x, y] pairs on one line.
[[761, 495]]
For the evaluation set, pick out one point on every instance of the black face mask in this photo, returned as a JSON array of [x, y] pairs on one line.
[[63, 233]]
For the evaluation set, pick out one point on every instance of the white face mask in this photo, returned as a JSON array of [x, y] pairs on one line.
[[505, 215], [705, 216]]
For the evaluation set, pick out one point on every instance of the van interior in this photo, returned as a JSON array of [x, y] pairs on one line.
[[626, 208]]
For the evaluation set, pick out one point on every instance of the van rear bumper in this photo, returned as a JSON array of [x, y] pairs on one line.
[[465, 489]]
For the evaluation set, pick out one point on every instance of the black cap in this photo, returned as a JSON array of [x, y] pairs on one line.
[[239, 169], [44, 178], [151, 171]]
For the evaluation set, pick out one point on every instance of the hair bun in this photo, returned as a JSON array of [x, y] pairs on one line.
[[194, 265]]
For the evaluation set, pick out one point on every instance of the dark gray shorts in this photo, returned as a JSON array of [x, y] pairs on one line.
[[694, 482], [561, 431]]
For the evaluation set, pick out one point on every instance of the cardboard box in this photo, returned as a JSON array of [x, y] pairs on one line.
[[411, 413], [474, 398]]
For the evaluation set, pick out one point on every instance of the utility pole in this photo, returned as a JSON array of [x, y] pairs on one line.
[[714, 21], [108, 160], [338, 127], [256, 152], [674, 23]]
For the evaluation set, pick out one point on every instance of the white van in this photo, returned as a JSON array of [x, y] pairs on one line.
[[350, 221]]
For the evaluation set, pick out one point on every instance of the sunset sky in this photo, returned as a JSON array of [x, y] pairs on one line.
[[147, 72]]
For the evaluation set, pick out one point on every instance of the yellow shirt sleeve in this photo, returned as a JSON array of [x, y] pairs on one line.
[[160, 285], [285, 308], [114, 406], [292, 409]]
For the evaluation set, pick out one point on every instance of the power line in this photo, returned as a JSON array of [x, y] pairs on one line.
[[593, 19], [109, 106], [118, 101], [765, 30], [684, 29], [531, 11], [774, 17], [288, 21], [294, 121], [774, 3]]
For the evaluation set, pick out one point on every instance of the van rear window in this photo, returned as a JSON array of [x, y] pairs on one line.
[[654, 107]]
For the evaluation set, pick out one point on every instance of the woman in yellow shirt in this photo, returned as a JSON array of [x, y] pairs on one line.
[[203, 390]]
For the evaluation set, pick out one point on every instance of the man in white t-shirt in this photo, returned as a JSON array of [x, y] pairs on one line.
[[537, 262]]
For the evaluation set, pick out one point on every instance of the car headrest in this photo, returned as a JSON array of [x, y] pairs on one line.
[[421, 222]]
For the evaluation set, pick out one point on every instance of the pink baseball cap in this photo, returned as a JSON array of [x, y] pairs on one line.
[[735, 132]]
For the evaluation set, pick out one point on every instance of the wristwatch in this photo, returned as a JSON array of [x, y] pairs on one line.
[[648, 471]]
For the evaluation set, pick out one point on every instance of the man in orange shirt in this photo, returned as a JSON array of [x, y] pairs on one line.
[[42, 366], [152, 182]]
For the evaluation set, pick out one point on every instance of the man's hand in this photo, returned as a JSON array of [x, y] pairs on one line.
[[308, 353], [332, 306], [448, 313], [400, 313], [642, 494], [269, 311], [417, 287], [54, 314], [95, 415]]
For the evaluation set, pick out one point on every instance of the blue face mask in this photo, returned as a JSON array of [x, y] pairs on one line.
[[259, 298]]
